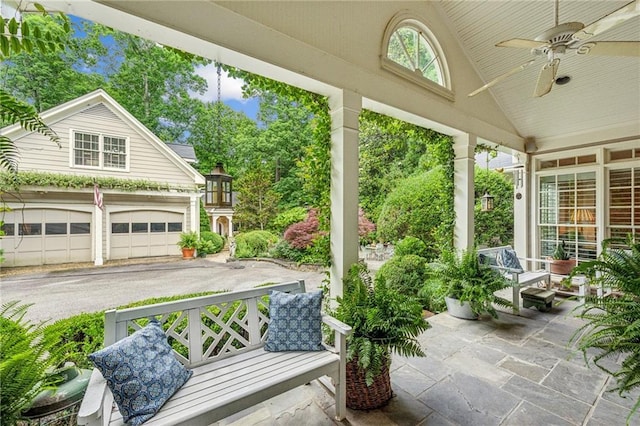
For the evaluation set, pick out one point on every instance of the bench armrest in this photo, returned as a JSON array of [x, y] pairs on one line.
[[336, 325], [93, 403]]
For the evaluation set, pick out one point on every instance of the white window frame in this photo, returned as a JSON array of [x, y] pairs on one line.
[[101, 153], [402, 20]]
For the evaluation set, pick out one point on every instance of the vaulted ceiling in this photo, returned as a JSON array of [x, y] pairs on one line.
[[604, 91]]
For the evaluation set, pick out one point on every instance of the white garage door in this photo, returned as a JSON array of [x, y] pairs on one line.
[[46, 236], [144, 234]]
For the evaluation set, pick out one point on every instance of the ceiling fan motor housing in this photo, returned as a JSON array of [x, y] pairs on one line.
[[558, 38]]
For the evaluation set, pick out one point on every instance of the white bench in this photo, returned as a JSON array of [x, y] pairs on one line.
[[518, 278], [231, 370]]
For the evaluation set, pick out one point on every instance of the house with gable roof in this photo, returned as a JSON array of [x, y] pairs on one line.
[[111, 190]]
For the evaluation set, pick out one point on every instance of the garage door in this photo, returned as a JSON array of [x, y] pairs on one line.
[[144, 234], [46, 236]]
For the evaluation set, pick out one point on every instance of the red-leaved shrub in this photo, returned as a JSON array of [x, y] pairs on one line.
[[301, 235]]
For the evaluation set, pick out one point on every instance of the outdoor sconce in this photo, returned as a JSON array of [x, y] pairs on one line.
[[487, 202]]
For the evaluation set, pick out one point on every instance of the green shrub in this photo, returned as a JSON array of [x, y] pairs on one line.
[[495, 227], [26, 354], [217, 242], [404, 274], [81, 335], [411, 245], [288, 217], [420, 206], [432, 296], [254, 243], [284, 250]]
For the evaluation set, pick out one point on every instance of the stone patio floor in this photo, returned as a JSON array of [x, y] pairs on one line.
[[516, 370]]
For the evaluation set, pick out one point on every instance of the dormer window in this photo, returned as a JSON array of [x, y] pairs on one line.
[[412, 51]]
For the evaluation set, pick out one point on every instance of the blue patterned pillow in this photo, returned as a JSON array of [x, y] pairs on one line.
[[508, 259], [141, 372], [295, 322]]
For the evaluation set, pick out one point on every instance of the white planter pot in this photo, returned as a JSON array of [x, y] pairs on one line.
[[459, 310]]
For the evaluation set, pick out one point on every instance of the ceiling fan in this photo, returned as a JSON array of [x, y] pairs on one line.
[[570, 36]]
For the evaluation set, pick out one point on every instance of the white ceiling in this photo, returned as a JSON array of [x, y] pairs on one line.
[[604, 92]]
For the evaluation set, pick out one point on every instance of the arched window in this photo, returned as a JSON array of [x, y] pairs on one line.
[[410, 50]]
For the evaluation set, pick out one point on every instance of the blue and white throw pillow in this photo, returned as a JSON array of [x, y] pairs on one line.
[[295, 322], [508, 259], [141, 372]]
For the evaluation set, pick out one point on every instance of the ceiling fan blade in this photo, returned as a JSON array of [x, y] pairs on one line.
[[607, 22], [502, 77], [610, 48], [546, 78], [522, 43]]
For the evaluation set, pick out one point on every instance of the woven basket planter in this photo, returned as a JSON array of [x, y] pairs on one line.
[[363, 397]]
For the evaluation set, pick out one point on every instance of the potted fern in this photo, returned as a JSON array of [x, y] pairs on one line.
[[187, 243], [383, 321], [611, 330], [468, 285]]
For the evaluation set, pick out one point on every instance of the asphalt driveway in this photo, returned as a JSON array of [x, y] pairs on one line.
[[63, 293]]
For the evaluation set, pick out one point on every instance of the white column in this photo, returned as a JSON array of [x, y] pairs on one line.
[[194, 208], [522, 213], [345, 109], [230, 226], [214, 223], [463, 201], [97, 235]]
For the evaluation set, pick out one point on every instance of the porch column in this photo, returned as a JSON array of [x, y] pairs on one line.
[[521, 212], [344, 109], [194, 209], [230, 218], [463, 201], [98, 231], [214, 223]]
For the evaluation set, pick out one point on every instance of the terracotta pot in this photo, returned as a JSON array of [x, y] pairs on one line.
[[562, 267], [187, 253]]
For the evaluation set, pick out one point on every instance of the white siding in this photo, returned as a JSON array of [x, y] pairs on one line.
[[146, 159]]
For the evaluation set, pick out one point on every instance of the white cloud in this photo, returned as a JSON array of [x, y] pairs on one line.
[[230, 88]]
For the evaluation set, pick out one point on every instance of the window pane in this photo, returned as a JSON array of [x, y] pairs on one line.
[[139, 227], [620, 196], [115, 152], [30, 229], [174, 226], [158, 227], [119, 228], [618, 178], [80, 228], [619, 216], [411, 49], [566, 182], [9, 229], [86, 149], [55, 228]]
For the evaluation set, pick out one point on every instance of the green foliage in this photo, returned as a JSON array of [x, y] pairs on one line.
[[382, 321], [493, 228], [12, 182], [404, 274], [17, 36], [257, 199], [288, 217], [612, 330], [188, 240], [26, 353], [392, 150], [216, 242], [205, 224], [254, 243], [466, 279], [420, 206], [411, 245], [284, 250], [560, 253], [80, 335]]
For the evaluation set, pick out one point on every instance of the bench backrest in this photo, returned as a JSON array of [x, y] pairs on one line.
[[206, 328], [488, 255]]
